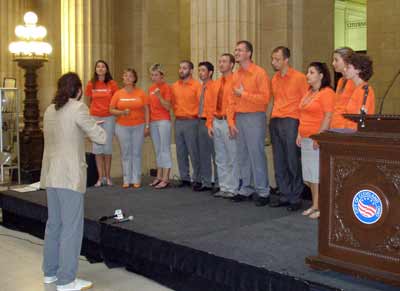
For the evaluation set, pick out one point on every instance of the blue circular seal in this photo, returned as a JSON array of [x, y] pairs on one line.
[[367, 206]]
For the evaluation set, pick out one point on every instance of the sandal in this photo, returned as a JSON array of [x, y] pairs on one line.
[[109, 182], [125, 185], [315, 214], [162, 185], [99, 183], [155, 182], [308, 211], [136, 185]]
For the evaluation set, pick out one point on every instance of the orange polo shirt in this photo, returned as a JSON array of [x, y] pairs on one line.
[[342, 98], [208, 94], [288, 90], [135, 101], [312, 113], [184, 99], [100, 95], [157, 111], [256, 92], [355, 103], [222, 87]]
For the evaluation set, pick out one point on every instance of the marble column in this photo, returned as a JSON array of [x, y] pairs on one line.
[[216, 26], [86, 35], [383, 46]]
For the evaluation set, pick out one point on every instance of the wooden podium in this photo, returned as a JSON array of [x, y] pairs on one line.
[[359, 227]]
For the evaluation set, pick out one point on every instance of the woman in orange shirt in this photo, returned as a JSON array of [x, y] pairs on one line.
[[99, 92], [130, 106], [160, 126], [359, 70], [316, 109], [345, 87]]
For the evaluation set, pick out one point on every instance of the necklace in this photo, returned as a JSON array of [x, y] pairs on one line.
[[308, 98]]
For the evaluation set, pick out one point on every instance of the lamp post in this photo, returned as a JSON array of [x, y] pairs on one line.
[[30, 52]]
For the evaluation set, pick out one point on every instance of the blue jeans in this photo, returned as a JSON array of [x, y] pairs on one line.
[[131, 139]]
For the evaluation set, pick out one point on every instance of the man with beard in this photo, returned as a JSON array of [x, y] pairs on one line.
[[288, 87], [185, 104]]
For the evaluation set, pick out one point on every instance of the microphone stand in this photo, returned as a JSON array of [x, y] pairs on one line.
[[362, 109], [387, 91]]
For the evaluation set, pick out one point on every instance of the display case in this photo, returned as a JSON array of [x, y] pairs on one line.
[[9, 136]]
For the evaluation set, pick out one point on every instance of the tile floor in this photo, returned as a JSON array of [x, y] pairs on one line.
[[20, 269]]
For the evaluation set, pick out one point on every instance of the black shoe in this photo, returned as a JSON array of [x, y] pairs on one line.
[[294, 206], [261, 201], [239, 198], [183, 183], [214, 190], [196, 185], [202, 189], [278, 203]]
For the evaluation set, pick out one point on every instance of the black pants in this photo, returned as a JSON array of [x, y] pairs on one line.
[[287, 159]]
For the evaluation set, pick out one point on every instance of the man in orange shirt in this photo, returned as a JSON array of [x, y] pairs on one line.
[[225, 147], [206, 145], [288, 88], [185, 104], [247, 123]]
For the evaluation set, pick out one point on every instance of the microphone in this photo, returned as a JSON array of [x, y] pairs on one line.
[[387, 91], [117, 214], [129, 218]]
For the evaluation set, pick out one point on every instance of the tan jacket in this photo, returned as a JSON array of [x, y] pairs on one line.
[[64, 164]]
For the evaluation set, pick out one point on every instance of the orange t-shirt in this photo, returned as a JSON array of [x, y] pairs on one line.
[[222, 87], [312, 113], [101, 96], [157, 111], [288, 90], [209, 93], [342, 98], [184, 99], [135, 100], [355, 103], [256, 91]]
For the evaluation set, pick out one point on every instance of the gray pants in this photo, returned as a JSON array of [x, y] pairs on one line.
[[225, 157], [186, 139], [207, 156], [63, 235], [160, 132], [251, 154]]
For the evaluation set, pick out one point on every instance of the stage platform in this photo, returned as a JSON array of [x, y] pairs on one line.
[[192, 241]]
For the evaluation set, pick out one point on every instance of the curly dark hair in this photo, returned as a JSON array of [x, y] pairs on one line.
[[95, 77], [68, 87], [362, 63], [322, 68]]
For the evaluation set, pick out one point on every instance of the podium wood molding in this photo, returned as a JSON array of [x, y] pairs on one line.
[[357, 169]]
